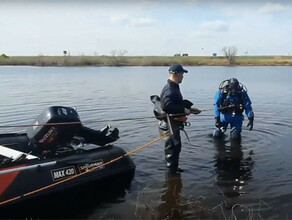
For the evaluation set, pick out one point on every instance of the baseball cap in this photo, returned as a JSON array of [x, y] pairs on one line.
[[177, 68]]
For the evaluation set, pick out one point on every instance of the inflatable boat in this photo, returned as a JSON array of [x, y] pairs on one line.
[[57, 152]]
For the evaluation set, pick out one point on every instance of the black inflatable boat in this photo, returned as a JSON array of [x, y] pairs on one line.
[[58, 153]]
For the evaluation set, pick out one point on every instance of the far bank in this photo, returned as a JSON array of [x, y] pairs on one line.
[[144, 60]]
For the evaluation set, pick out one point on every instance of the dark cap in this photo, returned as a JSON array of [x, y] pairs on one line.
[[177, 68]]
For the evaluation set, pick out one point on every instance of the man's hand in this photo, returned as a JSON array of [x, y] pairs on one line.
[[250, 123], [195, 111], [187, 111]]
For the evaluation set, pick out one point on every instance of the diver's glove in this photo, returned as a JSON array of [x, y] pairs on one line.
[[218, 122], [250, 122]]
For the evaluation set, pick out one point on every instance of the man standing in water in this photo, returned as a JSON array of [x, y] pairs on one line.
[[172, 103]]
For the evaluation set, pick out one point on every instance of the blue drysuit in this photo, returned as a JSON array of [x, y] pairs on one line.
[[230, 108]]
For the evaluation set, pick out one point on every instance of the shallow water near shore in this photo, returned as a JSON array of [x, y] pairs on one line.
[[220, 179]]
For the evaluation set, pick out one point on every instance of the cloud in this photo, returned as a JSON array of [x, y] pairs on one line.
[[191, 1], [274, 7], [119, 18], [133, 21], [218, 26], [141, 22]]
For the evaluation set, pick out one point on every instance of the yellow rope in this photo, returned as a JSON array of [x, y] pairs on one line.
[[87, 171]]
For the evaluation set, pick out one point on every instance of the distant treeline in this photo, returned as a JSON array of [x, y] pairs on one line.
[[144, 60]]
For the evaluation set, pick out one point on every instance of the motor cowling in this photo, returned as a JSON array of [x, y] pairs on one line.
[[54, 126]]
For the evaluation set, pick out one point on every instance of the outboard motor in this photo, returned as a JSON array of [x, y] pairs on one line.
[[50, 136]]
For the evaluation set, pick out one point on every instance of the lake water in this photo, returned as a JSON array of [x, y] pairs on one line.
[[220, 180]]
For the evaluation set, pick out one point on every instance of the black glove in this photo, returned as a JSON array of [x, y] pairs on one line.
[[218, 122], [187, 103], [250, 122]]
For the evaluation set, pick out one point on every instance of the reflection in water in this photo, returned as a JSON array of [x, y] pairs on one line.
[[174, 205], [171, 206], [232, 169]]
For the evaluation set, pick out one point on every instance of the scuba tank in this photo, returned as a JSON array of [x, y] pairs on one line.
[[232, 85]]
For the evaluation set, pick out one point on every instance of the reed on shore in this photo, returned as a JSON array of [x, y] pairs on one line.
[[144, 60]]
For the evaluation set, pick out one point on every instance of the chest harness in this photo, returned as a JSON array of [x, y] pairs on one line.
[[231, 97]]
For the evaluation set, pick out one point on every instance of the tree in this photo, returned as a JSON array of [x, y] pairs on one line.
[[118, 56], [118, 53], [230, 54]]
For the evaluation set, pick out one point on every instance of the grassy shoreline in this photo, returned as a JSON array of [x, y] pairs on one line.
[[143, 60]]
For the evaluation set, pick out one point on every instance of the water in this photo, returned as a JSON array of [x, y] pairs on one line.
[[220, 180]]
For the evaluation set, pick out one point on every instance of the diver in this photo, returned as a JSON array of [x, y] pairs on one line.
[[231, 100]]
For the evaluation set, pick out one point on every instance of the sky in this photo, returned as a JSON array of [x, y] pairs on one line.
[[145, 27]]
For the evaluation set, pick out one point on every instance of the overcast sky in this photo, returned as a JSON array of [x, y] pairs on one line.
[[145, 27]]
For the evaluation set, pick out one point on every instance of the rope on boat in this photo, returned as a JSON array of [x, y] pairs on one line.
[[87, 171]]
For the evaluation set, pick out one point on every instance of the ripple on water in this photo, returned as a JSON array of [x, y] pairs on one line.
[[257, 170]]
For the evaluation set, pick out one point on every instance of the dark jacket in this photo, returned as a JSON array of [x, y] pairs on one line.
[[171, 98]]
